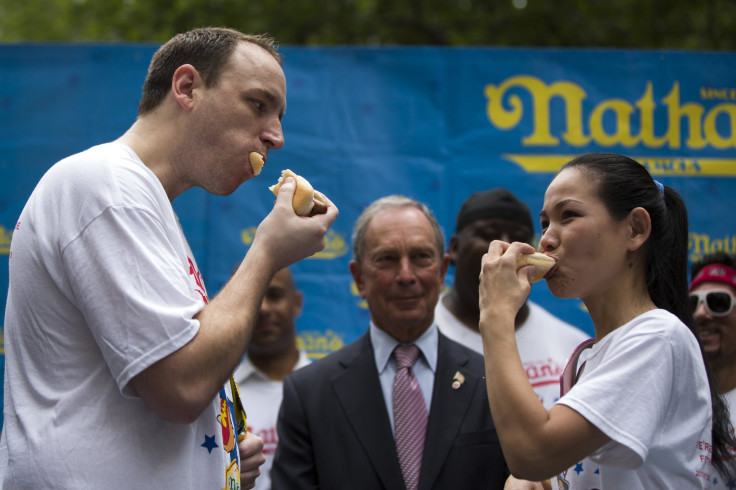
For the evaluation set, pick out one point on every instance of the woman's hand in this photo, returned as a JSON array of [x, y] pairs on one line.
[[503, 289]]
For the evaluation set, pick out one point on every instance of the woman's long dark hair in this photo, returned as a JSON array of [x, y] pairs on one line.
[[624, 184]]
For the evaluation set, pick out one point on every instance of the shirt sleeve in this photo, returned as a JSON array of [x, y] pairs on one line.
[[133, 289], [626, 395]]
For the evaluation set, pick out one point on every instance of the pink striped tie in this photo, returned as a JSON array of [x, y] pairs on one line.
[[410, 415]]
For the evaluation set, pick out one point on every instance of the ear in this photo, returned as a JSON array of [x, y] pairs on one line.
[[452, 249], [183, 84], [445, 266], [357, 274], [640, 228]]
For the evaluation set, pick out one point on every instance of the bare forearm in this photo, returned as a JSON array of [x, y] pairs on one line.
[[537, 443], [181, 385], [518, 414]]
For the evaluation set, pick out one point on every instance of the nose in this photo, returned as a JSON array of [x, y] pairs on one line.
[[405, 274], [700, 311], [273, 135], [265, 306], [548, 242]]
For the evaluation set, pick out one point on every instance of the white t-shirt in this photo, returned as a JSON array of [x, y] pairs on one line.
[[103, 285], [718, 482], [262, 399], [644, 385], [545, 342]]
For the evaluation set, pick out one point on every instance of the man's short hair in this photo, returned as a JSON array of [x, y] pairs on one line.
[[207, 49], [391, 202]]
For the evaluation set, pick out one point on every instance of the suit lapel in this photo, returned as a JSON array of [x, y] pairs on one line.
[[448, 410], [359, 392]]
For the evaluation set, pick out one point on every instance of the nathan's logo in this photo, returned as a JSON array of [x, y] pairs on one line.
[[335, 244], [318, 344], [5, 237], [701, 244], [612, 122]]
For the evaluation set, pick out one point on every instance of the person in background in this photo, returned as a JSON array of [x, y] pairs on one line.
[[118, 364], [644, 407], [712, 300], [544, 341], [403, 406], [272, 354]]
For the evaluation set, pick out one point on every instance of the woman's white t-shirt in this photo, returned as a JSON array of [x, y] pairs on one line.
[[645, 386]]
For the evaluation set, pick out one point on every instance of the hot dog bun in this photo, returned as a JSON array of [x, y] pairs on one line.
[[256, 162], [542, 263], [306, 200]]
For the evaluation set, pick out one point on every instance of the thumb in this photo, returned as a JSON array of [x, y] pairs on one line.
[[286, 191]]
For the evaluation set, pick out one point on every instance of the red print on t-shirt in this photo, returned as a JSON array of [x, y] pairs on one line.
[[193, 271]]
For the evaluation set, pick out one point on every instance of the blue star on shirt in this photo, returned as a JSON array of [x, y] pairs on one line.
[[209, 443], [579, 468]]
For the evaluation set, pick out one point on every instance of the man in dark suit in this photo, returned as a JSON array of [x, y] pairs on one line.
[[338, 427]]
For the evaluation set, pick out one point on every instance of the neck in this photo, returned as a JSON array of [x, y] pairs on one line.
[[276, 367], [617, 306], [144, 138]]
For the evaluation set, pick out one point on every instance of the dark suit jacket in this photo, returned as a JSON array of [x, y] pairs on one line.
[[334, 432]]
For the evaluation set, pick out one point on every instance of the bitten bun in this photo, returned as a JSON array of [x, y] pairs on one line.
[[256, 162], [306, 200], [542, 263]]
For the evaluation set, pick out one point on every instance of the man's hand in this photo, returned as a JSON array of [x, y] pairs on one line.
[[251, 458]]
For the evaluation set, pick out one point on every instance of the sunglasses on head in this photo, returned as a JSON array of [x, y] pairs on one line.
[[717, 303]]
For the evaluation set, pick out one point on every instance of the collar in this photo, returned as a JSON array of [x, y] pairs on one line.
[[384, 344], [247, 369]]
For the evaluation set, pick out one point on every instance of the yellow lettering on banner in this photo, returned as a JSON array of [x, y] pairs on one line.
[[5, 238], [335, 244], [661, 166], [721, 142], [701, 244], [318, 345], [570, 93], [505, 109], [692, 112], [646, 107], [621, 111]]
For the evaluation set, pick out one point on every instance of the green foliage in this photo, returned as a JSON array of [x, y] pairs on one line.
[[672, 24]]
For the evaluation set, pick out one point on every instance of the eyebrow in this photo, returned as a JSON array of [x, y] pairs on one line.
[[560, 204]]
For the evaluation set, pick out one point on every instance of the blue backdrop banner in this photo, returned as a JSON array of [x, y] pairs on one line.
[[434, 124]]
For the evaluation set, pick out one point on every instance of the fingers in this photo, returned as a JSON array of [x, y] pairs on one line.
[[251, 458], [286, 191], [505, 253]]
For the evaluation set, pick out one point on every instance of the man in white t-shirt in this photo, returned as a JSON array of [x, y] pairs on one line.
[[271, 355], [118, 364], [545, 342], [713, 300]]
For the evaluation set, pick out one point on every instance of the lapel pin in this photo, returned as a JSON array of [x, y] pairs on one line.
[[457, 380]]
